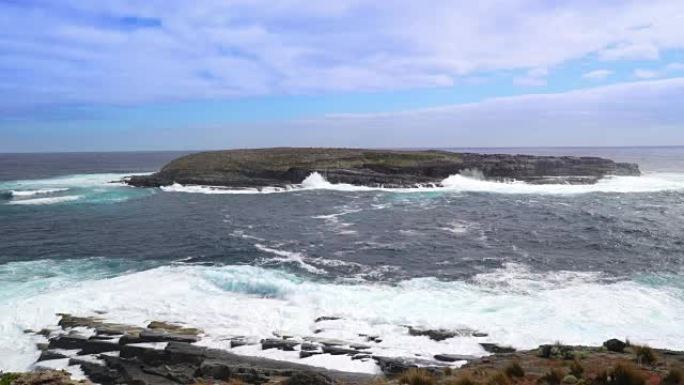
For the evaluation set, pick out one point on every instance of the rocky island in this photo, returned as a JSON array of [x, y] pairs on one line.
[[281, 167]]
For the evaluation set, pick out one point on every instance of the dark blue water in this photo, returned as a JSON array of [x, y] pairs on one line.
[[528, 264]]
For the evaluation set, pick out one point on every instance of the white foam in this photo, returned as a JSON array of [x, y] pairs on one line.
[[91, 188], [514, 305], [290, 256], [613, 184], [46, 201], [470, 181], [43, 191], [217, 190]]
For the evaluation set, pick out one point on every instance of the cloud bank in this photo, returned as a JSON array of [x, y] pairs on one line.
[[80, 51], [632, 114]]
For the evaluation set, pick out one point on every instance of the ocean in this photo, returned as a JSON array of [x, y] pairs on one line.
[[526, 264]]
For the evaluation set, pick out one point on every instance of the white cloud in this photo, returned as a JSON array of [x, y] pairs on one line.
[[535, 77], [222, 49], [667, 70], [638, 113], [673, 67], [631, 51], [597, 74], [646, 74]]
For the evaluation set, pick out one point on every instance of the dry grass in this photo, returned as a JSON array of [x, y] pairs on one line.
[[576, 369], [498, 378], [552, 377], [461, 380], [644, 355], [674, 377], [416, 377], [625, 374], [514, 370]]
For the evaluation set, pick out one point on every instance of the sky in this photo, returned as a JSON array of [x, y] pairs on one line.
[[107, 75]]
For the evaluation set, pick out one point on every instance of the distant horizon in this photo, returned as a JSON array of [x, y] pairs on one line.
[[125, 76], [332, 147]]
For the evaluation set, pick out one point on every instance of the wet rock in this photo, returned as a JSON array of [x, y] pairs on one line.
[[101, 374], [308, 378], [108, 329], [173, 328], [179, 352], [615, 345], [50, 355], [69, 321], [433, 334], [310, 346], [104, 337], [375, 339], [68, 342], [131, 372], [238, 341], [160, 335], [395, 365], [181, 373], [497, 349], [359, 346], [454, 357], [96, 346], [363, 356], [331, 342], [309, 353], [45, 333], [272, 343], [338, 351]]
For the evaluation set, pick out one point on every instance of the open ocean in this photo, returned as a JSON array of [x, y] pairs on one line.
[[527, 264]]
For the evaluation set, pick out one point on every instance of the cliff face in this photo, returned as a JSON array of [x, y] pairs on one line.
[[284, 166]]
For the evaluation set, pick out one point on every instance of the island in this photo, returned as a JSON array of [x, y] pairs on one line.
[[280, 167]]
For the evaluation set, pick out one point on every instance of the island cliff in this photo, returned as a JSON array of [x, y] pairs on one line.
[[388, 168]]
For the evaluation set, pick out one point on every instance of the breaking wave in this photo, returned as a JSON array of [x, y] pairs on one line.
[[514, 305], [81, 188], [470, 181]]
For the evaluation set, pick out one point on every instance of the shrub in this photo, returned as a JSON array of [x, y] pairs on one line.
[[463, 380], [416, 376], [576, 369], [498, 378], [623, 374], [553, 377], [514, 370], [674, 377], [7, 378], [448, 371], [645, 355]]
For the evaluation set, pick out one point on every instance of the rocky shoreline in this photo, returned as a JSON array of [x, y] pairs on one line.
[[281, 167], [166, 353]]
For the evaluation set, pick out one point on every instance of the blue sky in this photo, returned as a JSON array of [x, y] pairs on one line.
[[79, 75]]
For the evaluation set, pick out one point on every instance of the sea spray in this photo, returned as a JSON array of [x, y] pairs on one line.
[[525, 309]]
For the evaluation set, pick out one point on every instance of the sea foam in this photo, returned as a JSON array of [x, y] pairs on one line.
[[469, 182], [514, 305]]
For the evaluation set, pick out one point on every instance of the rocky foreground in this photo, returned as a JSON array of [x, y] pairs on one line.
[[282, 167], [165, 353]]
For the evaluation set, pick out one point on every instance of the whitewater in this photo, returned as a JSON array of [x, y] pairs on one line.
[[526, 264]]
